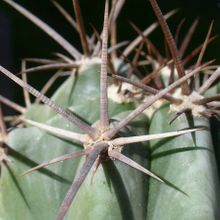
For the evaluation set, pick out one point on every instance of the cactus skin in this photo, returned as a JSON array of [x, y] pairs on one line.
[[193, 171], [117, 191], [39, 194], [75, 92]]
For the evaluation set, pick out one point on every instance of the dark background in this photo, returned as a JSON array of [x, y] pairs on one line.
[[19, 38]]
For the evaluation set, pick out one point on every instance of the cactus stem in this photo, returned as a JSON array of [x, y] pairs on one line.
[[104, 120], [47, 29], [80, 28], [80, 177], [12, 105], [93, 152], [58, 109]]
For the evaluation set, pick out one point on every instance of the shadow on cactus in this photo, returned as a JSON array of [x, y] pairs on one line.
[[80, 114]]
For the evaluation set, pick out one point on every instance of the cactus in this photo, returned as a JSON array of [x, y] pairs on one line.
[[101, 135]]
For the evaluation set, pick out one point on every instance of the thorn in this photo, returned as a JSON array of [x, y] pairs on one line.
[[3, 128], [46, 28], [79, 179], [188, 58], [137, 139], [179, 27], [63, 57], [198, 63], [65, 14], [48, 85], [58, 160], [134, 62], [68, 135], [51, 67], [146, 32], [113, 131], [210, 81], [188, 37], [115, 11], [117, 155], [148, 43], [58, 109], [201, 55], [177, 115], [172, 45], [27, 98], [104, 119], [12, 104], [98, 162], [146, 88], [81, 28], [204, 101]]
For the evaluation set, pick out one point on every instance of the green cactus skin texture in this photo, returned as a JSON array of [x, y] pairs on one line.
[[188, 163], [76, 91], [116, 191], [39, 194]]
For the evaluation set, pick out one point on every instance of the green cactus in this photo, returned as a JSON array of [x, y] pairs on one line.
[[192, 159], [90, 116]]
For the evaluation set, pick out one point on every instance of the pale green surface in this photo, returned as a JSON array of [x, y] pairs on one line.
[[38, 196], [75, 92], [193, 172], [118, 192]]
